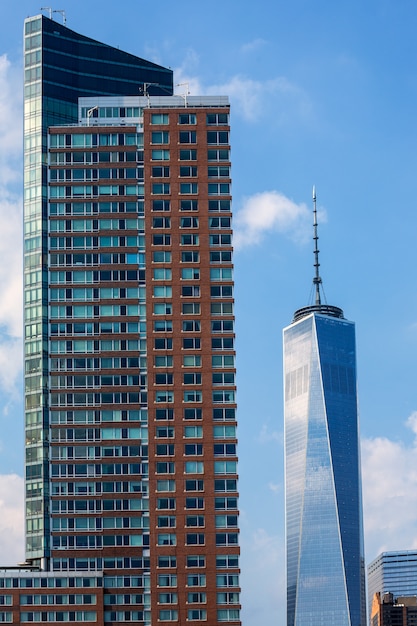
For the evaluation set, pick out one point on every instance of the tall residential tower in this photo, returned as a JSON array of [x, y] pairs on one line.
[[131, 466], [324, 540]]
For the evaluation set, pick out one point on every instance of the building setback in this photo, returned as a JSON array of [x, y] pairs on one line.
[[131, 466], [389, 611], [324, 542]]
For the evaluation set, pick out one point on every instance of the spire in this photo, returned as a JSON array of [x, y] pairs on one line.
[[316, 280], [318, 306]]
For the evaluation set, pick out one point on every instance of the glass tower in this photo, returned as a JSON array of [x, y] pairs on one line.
[[393, 572], [60, 66], [324, 540], [131, 462]]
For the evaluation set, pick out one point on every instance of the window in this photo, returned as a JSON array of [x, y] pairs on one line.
[[188, 155], [190, 273], [191, 256], [187, 188], [196, 614], [159, 118], [227, 580], [221, 308], [215, 137], [194, 503], [160, 155], [196, 521], [167, 598], [170, 615], [165, 467], [193, 396], [194, 449], [167, 580], [224, 432], [191, 343], [194, 539], [160, 136], [227, 561], [188, 136], [161, 240], [167, 539], [193, 431], [228, 615], [163, 361], [225, 485], [193, 414], [224, 449], [162, 291], [221, 256], [194, 485], [189, 308], [187, 118], [161, 205], [162, 256], [161, 171], [224, 504], [189, 222], [193, 378], [165, 485], [197, 597], [196, 580], [162, 273], [220, 240], [165, 431], [190, 290], [218, 155], [222, 343], [189, 205], [219, 205], [167, 561], [221, 291], [164, 379], [164, 414], [161, 188], [226, 521], [168, 521], [162, 308], [194, 467], [190, 326], [224, 414], [221, 273], [222, 326], [223, 378], [164, 396], [217, 119], [192, 360], [218, 171], [188, 170], [225, 467], [163, 343], [189, 240], [223, 360]]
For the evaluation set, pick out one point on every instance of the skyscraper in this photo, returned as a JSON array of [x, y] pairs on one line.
[[324, 541], [131, 466], [393, 572]]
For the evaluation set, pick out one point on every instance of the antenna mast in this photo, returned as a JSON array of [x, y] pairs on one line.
[[316, 279]]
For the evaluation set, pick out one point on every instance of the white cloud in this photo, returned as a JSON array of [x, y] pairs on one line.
[[266, 435], [277, 99], [270, 211], [263, 577], [11, 519], [255, 44], [11, 224], [389, 476]]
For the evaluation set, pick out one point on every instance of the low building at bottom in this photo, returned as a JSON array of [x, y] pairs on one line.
[[28, 596], [390, 611]]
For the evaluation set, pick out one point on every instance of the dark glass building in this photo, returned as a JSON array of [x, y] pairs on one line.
[[324, 541], [60, 66]]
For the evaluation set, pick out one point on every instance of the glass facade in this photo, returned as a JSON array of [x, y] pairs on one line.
[[324, 541], [393, 572], [59, 67]]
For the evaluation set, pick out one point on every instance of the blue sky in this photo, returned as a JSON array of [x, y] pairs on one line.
[[322, 93]]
